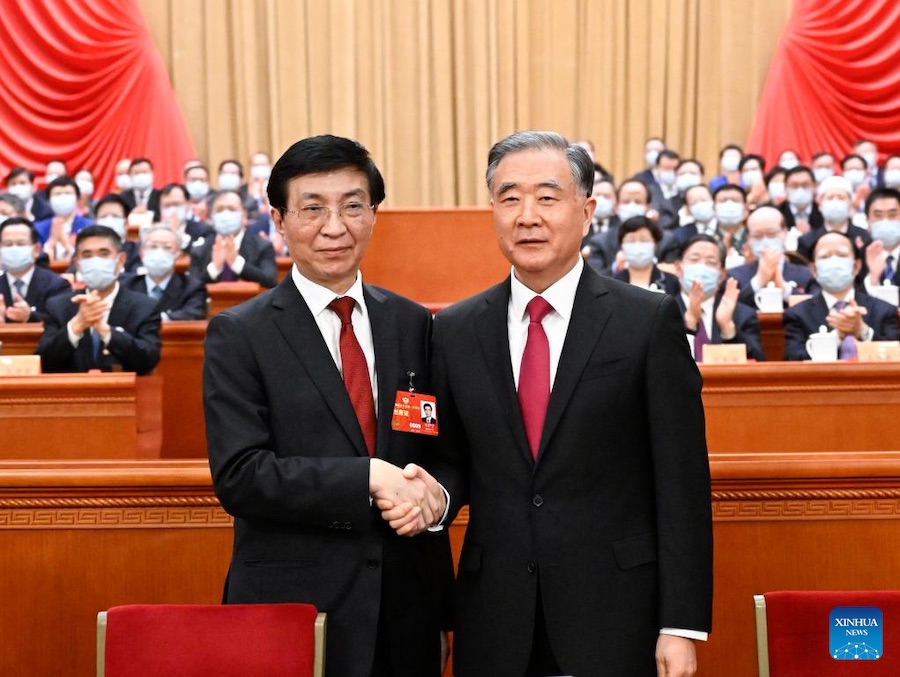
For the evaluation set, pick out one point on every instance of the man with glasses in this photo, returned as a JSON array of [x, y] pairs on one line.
[[300, 385]]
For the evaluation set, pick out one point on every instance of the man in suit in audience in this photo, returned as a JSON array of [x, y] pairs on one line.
[[883, 254], [112, 211], [663, 188], [572, 425], [700, 218], [178, 295], [142, 196], [652, 148], [713, 315], [20, 182], [799, 208], [297, 453], [25, 288], [177, 214], [767, 233], [106, 327], [834, 197], [56, 233], [232, 255], [839, 306], [600, 245]]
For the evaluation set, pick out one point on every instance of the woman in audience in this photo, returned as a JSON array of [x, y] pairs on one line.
[[639, 239]]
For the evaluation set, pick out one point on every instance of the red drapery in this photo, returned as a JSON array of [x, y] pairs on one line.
[[835, 78], [81, 80]]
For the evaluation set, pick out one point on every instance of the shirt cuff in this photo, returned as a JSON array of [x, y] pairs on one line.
[[867, 335], [74, 338], [212, 271], [238, 265], [687, 634], [440, 525]]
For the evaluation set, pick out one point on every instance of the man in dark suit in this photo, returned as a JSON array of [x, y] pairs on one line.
[[178, 295], [883, 254], [834, 197], [801, 214], [661, 182], [572, 425], [20, 182], [839, 306], [112, 211], [25, 288], [297, 454], [767, 232], [107, 327], [232, 255], [142, 196], [428, 413]]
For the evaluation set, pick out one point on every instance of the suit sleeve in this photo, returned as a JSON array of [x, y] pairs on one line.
[[57, 286], [138, 351], [748, 333], [887, 327], [681, 475], [54, 348], [193, 306], [250, 479], [260, 266], [795, 337]]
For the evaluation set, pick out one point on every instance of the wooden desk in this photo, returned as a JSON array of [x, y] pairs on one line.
[[20, 338], [223, 295], [771, 330], [68, 416], [181, 368]]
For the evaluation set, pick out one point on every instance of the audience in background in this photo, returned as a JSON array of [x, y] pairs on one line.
[[84, 179], [112, 212], [196, 182], [20, 182], [834, 198], [24, 287], [600, 245], [730, 202], [883, 253], [638, 239], [57, 233], [730, 158], [142, 196]]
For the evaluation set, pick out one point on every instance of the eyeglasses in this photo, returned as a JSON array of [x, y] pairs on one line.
[[349, 212]]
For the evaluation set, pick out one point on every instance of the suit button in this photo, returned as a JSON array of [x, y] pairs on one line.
[[531, 567], [538, 500], [372, 563]]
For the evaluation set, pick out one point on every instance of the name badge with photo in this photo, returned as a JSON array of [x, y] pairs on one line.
[[415, 413]]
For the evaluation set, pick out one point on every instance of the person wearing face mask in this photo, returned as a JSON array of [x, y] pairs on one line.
[[697, 216], [178, 295], [112, 212], [600, 244], [52, 170], [142, 196], [789, 159], [661, 182], [712, 314], [775, 188], [104, 327], [688, 173], [231, 255], [24, 287], [766, 236], [653, 146], [752, 179], [196, 182], [801, 214], [892, 172], [260, 169], [822, 166], [20, 182], [839, 306], [730, 158], [56, 233], [835, 200], [638, 239], [176, 213], [84, 178], [231, 177], [731, 213], [883, 254], [868, 151], [123, 178]]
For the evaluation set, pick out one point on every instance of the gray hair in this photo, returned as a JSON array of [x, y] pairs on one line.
[[579, 161], [14, 201]]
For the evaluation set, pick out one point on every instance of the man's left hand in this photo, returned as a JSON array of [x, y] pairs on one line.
[[675, 656], [725, 311], [19, 311]]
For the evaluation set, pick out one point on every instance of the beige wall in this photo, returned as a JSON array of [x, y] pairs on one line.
[[428, 85]]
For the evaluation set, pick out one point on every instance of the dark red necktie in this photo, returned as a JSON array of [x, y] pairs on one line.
[[356, 371], [534, 374]]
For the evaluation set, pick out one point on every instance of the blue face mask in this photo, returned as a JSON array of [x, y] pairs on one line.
[[628, 210], [17, 258], [639, 254], [729, 213], [700, 272], [97, 272], [604, 208], [887, 232], [770, 243], [703, 211], [835, 273]]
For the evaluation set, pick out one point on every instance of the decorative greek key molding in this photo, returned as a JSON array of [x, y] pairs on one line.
[[803, 504], [802, 388]]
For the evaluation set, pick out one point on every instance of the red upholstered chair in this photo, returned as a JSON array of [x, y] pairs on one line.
[[793, 634], [236, 640]]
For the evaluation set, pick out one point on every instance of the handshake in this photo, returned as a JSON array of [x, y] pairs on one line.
[[409, 498]]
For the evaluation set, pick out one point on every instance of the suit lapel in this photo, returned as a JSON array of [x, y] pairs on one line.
[[299, 329], [387, 360], [6, 291], [172, 292], [589, 318], [493, 334]]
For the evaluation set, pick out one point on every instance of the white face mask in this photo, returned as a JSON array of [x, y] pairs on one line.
[[17, 258], [856, 177], [115, 223], [729, 213], [23, 191], [178, 212], [628, 210], [603, 209], [639, 254], [685, 181], [650, 157], [97, 272], [667, 177], [197, 189], [822, 173], [142, 181], [123, 182], [892, 178], [776, 190], [789, 161], [86, 187], [227, 222], [835, 210], [750, 177], [730, 163], [871, 159], [260, 172], [158, 262], [703, 211], [63, 204], [229, 181]]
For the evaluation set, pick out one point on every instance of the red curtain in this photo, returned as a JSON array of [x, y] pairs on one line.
[[81, 80], [835, 77]]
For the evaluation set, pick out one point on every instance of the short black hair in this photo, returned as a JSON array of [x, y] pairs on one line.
[[318, 154], [728, 147], [821, 153], [730, 186], [232, 161], [169, 187], [139, 161], [638, 182], [753, 156], [772, 173], [667, 154], [61, 181], [636, 223], [881, 194], [113, 199], [21, 221], [98, 231], [16, 172], [690, 161], [853, 156], [702, 237], [799, 169]]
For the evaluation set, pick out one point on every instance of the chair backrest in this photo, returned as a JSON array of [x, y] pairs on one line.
[[799, 633], [233, 640]]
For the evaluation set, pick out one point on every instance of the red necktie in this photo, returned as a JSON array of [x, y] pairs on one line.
[[534, 374], [356, 371]]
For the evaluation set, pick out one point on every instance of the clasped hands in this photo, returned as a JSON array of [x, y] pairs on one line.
[[409, 498], [90, 314]]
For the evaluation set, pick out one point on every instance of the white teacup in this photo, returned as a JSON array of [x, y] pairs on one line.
[[822, 346], [769, 299], [887, 292]]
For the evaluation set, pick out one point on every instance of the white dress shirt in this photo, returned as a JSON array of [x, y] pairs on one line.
[[111, 299], [238, 266], [25, 277], [830, 300]]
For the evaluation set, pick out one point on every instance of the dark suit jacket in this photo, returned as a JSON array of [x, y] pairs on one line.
[[665, 282], [801, 276], [45, 284], [258, 254], [289, 461], [806, 318], [615, 517], [40, 208], [815, 216], [807, 242], [746, 328], [666, 207], [603, 247], [130, 198], [134, 343], [183, 299], [197, 229]]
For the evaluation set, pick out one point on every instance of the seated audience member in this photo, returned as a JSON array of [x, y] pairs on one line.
[[730, 164], [11, 206], [766, 234], [142, 196], [789, 159], [57, 233], [231, 177], [891, 172], [260, 169], [231, 256], [731, 214], [106, 327], [178, 295], [753, 181], [660, 182], [775, 187], [112, 212], [822, 166], [868, 151], [84, 179], [196, 182], [20, 182], [653, 146], [838, 306], [699, 217], [638, 239], [25, 287], [600, 244], [711, 316], [835, 200], [801, 215], [176, 213], [688, 173], [854, 168], [882, 255], [123, 178], [53, 170]]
